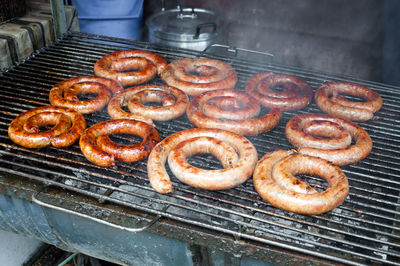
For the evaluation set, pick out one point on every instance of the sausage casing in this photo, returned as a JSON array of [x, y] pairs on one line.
[[130, 67], [195, 76], [274, 180], [174, 103], [296, 92], [66, 93], [337, 154], [68, 125], [328, 100], [200, 115], [98, 148], [237, 172]]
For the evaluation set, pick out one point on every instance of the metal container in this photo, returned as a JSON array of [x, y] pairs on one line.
[[190, 28]]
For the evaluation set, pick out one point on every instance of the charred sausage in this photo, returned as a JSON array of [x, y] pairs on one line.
[[98, 148], [195, 76], [130, 67], [230, 110], [68, 125], [295, 94]]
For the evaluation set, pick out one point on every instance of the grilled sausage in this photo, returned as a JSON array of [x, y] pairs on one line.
[[195, 76], [68, 126], [130, 67], [98, 148], [327, 148], [230, 110], [66, 93], [69, 97], [329, 101], [173, 100], [296, 92], [274, 180], [237, 171]]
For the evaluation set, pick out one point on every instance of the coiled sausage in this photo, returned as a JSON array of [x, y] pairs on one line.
[[237, 170], [66, 93], [130, 67], [327, 148], [329, 101], [195, 76], [296, 92], [230, 110], [275, 181], [68, 125], [98, 148], [173, 100]]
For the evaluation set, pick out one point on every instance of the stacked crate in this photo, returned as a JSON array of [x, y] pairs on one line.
[[20, 36]]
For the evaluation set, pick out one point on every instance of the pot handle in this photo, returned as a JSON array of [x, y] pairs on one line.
[[128, 229], [178, 5], [163, 5], [202, 26], [235, 50]]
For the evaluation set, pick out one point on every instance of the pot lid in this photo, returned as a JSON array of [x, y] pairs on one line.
[[189, 23]]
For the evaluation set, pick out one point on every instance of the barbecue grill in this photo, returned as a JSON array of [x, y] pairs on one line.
[[57, 196]]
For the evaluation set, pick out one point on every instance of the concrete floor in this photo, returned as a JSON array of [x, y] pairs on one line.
[[16, 249]]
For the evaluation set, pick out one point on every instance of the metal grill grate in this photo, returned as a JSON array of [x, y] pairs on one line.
[[364, 230]]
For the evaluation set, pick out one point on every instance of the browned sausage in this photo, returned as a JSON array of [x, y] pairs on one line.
[[195, 76], [296, 92], [174, 103], [130, 67], [331, 135], [327, 148], [68, 127], [237, 170], [231, 107], [328, 99], [215, 109], [60, 123], [66, 93], [275, 181], [98, 148]]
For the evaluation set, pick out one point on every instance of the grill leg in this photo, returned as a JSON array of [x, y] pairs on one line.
[[200, 256], [204, 256]]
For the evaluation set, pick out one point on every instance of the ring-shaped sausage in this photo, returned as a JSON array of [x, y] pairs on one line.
[[321, 134], [66, 93], [295, 94], [98, 148], [231, 107], [229, 104], [308, 144], [274, 180], [60, 123], [234, 175], [130, 67], [68, 125], [201, 178], [173, 100], [330, 101], [195, 76]]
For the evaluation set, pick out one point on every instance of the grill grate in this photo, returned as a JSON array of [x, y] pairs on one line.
[[364, 230]]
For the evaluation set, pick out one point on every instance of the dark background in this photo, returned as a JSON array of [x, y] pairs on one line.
[[358, 38]]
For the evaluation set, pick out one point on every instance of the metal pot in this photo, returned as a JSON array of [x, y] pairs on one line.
[[190, 28]]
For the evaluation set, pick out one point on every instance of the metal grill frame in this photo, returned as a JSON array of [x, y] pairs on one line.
[[363, 230]]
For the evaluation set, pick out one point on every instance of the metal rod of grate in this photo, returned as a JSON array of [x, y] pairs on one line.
[[363, 230]]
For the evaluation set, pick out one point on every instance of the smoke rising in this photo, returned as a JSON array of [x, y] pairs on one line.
[[339, 37]]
